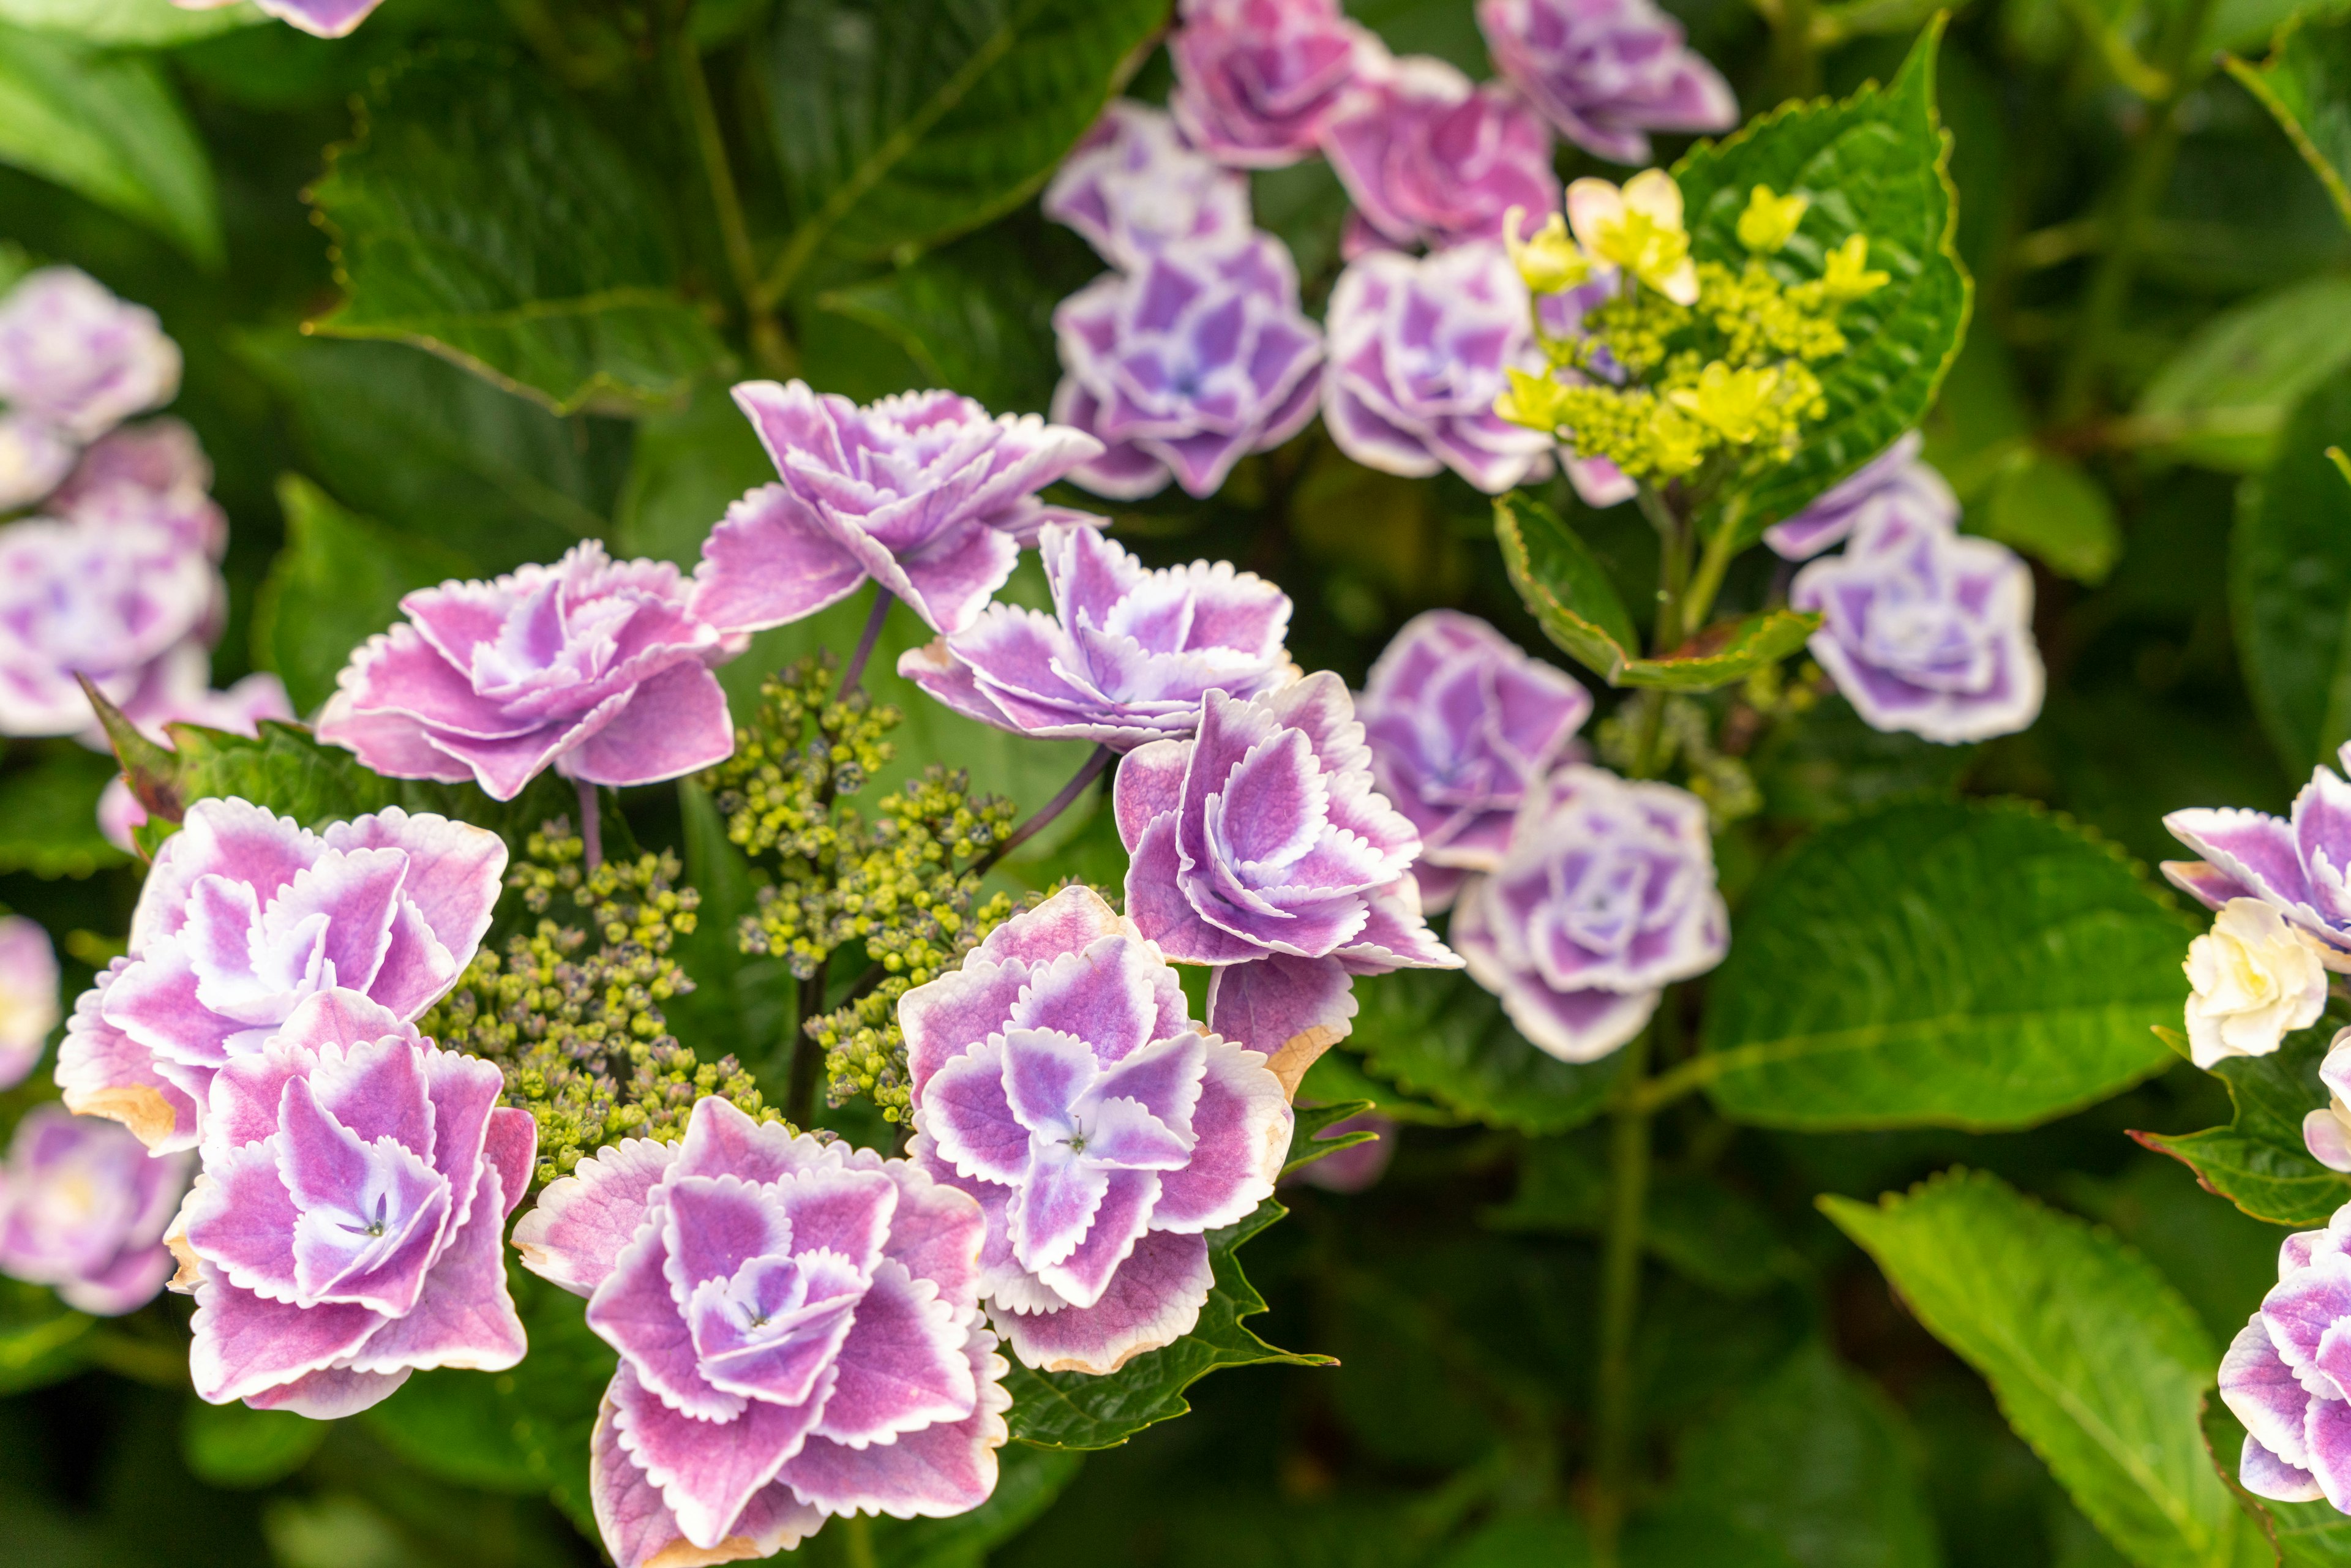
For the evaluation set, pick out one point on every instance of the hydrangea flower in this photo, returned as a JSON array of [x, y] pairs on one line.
[[83, 1208], [1429, 159], [1462, 726], [2283, 1376], [1185, 366], [1126, 657], [243, 917], [1606, 72], [1262, 848], [800, 1333], [1420, 349], [2253, 980], [2327, 1132], [1894, 480], [921, 492], [78, 358], [320, 19], [1132, 187], [1638, 227], [1255, 79], [2298, 865], [1059, 1081], [348, 1224], [1926, 630], [596, 666], [34, 459], [151, 472], [175, 690], [105, 603], [28, 997], [1605, 896]]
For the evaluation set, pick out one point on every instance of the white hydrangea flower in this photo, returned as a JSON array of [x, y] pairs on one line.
[[2253, 979]]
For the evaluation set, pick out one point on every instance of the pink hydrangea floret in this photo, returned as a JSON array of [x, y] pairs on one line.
[[800, 1331], [243, 917], [1132, 186], [153, 472], [1127, 654], [923, 492], [595, 667], [1255, 79], [74, 357], [34, 459], [1606, 72], [1429, 159], [1057, 1078], [348, 1225], [83, 1208], [2299, 864], [1463, 726], [2284, 1378], [29, 1010]]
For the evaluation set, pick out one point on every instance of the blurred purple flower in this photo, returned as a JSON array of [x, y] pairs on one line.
[[28, 997], [1926, 630], [348, 1226], [921, 492], [1605, 894], [245, 916], [176, 690], [2284, 1379], [1429, 159], [1894, 480], [151, 472], [1255, 79], [83, 1208], [1462, 726], [593, 665], [320, 19], [1262, 848], [1606, 72], [1187, 366], [105, 601], [1419, 348], [1059, 1079], [800, 1335], [34, 459], [1131, 187], [2299, 865], [74, 356], [1127, 654], [1355, 1170]]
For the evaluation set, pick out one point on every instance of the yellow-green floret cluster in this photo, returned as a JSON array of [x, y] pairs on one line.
[[571, 1011]]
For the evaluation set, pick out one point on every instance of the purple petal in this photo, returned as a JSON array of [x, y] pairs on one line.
[[574, 1234], [1153, 1301], [945, 1468], [704, 1471], [902, 1367], [1244, 1124]]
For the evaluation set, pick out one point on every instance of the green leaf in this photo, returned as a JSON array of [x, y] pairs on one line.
[[128, 24], [1815, 1461], [1961, 964], [232, 1446], [1726, 651], [49, 813], [901, 123], [1697, 1227], [399, 436], [478, 213], [1440, 1036], [1872, 164], [2223, 399], [2258, 1161], [689, 464], [2289, 585], [1338, 1075], [108, 127], [2306, 84], [1071, 1410], [2094, 1359], [1308, 1139], [977, 317], [338, 582], [1826, 764], [2047, 507], [41, 1338]]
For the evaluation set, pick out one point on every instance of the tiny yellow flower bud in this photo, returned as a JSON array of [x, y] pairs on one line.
[[1847, 276], [1535, 401], [1770, 220], [1550, 262], [1732, 403]]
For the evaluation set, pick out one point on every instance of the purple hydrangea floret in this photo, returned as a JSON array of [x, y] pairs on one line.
[[1463, 726], [243, 917], [320, 19], [1604, 896], [1428, 159], [1187, 366], [595, 667], [1131, 187], [1262, 847], [800, 1331], [921, 492], [2299, 864], [34, 459], [1926, 630], [1255, 79], [153, 472], [106, 601], [2284, 1379], [348, 1225], [1127, 654], [1420, 348], [1606, 72], [83, 1208], [1059, 1079], [74, 357], [28, 997], [1893, 480]]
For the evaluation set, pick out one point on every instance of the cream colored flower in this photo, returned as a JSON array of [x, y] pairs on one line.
[[2253, 979], [1550, 261], [1639, 228]]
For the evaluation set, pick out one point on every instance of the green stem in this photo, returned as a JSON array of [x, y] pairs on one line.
[[857, 1541], [1699, 601], [142, 1361], [1620, 1298], [1651, 729], [1795, 61], [773, 350], [806, 1056], [1673, 565]]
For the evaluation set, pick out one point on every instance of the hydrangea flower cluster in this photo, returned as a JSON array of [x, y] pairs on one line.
[[800, 1333], [28, 997], [2282, 1375], [83, 1208], [578, 1029], [1256, 80], [1429, 159], [1132, 187], [1606, 72], [1059, 1081]]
